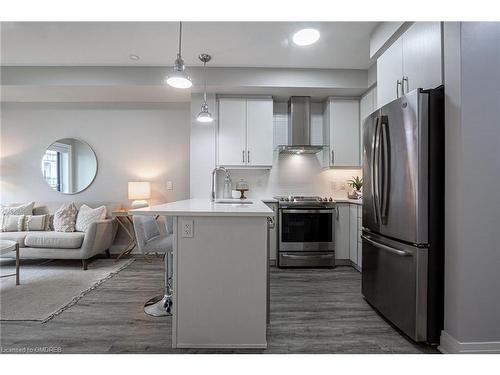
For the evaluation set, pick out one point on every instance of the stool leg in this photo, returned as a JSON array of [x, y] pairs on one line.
[[162, 305]]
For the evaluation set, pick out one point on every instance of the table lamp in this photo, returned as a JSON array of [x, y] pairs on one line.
[[139, 191]]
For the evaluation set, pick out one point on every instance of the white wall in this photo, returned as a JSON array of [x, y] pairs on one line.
[[472, 183], [132, 142]]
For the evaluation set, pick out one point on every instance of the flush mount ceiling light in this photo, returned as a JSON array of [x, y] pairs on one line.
[[133, 57], [204, 115], [306, 37], [178, 78]]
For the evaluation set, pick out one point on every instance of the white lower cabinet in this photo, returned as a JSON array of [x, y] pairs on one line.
[[348, 224], [273, 234], [342, 231], [360, 242], [353, 233]]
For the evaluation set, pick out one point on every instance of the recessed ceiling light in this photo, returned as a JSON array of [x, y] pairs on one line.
[[133, 57], [305, 37]]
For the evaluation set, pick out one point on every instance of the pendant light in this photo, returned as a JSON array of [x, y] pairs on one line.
[[178, 78], [204, 115]]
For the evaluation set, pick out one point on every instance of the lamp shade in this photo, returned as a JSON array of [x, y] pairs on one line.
[[139, 190]]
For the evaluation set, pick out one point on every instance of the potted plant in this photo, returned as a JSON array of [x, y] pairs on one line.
[[357, 184]]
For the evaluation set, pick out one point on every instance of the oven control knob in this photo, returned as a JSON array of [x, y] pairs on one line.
[[331, 200], [325, 199]]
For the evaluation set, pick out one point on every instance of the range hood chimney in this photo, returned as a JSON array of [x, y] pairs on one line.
[[299, 127]]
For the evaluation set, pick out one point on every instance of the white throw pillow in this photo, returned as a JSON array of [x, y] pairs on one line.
[[24, 209], [88, 215], [12, 223], [65, 218], [36, 222]]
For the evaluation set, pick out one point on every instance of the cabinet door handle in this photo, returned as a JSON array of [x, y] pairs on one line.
[[337, 209], [243, 156], [333, 157], [398, 83], [405, 79], [248, 156]]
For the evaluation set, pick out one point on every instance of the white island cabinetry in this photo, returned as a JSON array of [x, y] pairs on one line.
[[219, 273]]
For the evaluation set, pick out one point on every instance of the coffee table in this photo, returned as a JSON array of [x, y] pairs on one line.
[[6, 246]]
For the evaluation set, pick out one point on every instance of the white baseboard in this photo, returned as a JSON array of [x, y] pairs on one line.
[[450, 345]]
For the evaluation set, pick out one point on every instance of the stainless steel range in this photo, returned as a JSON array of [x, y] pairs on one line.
[[306, 231]]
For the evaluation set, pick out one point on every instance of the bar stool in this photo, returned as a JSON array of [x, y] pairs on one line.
[[150, 240]]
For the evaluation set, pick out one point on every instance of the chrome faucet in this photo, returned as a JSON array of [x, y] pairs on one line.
[[214, 173]]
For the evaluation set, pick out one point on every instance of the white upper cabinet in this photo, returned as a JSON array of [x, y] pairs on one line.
[[390, 73], [245, 133], [259, 132], [341, 133], [231, 138], [422, 56], [414, 60]]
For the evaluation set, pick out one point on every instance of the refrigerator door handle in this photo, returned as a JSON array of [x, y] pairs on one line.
[[373, 170], [401, 253], [386, 169]]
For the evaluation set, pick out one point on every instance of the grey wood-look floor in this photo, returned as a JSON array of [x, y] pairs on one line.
[[312, 311]]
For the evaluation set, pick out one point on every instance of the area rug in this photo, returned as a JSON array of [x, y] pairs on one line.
[[48, 287]]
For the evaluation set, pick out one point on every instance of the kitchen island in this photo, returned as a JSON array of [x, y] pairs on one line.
[[220, 253]]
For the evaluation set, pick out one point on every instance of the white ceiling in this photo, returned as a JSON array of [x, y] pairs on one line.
[[243, 44]]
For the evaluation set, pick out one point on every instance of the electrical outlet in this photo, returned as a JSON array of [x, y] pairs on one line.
[[342, 187], [170, 185], [187, 227]]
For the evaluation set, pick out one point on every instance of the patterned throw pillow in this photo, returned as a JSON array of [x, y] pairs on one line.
[[24, 209], [12, 223], [88, 215], [36, 222], [65, 218]]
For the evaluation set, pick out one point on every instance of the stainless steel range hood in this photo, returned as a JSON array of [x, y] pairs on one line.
[[299, 127]]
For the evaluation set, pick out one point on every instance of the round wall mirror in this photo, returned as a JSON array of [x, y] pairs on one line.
[[69, 165]]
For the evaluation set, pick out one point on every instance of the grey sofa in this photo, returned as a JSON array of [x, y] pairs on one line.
[[65, 245]]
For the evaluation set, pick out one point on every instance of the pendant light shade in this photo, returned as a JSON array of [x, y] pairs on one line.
[[178, 78], [204, 115]]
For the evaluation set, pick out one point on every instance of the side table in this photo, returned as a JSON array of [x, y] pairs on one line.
[[125, 221]]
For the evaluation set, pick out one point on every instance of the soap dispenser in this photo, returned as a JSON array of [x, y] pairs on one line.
[[227, 192]]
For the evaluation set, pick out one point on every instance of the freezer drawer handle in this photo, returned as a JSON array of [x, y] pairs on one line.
[[291, 256], [401, 253]]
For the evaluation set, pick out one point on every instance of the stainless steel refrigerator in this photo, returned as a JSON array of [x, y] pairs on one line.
[[403, 208]]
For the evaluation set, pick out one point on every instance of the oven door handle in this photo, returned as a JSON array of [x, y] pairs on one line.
[[288, 211], [293, 256]]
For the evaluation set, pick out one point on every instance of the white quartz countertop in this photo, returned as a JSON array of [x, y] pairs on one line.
[[204, 207], [353, 201]]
